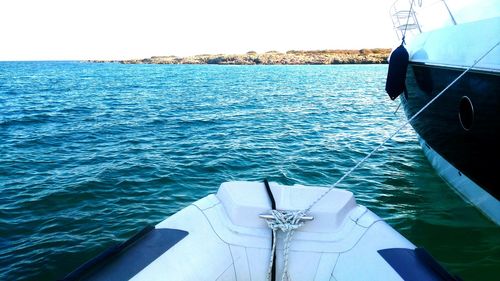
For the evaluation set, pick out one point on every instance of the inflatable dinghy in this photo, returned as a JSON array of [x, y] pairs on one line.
[[226, 236]]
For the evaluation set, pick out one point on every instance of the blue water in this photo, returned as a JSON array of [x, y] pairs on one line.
[[91, 153]]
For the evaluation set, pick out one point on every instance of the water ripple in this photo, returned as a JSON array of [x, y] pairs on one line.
[[90, 153]]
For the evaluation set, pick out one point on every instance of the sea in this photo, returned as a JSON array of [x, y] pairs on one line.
[[90, 153]]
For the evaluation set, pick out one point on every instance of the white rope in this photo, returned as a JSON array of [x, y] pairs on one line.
[[287, 222], [399, 129], [408, 20]]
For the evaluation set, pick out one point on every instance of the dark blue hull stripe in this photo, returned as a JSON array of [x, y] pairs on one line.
[[124, 261], [415, 265]]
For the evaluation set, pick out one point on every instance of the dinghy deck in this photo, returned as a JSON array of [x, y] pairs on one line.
[[221, 237]]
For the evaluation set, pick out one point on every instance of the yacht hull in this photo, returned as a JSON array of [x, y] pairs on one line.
[[460, 130]]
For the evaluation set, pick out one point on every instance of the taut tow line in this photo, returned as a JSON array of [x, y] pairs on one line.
[[289, 221], [400, 128]]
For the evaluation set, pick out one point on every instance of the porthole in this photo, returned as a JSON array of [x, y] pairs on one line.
[[466, 113]]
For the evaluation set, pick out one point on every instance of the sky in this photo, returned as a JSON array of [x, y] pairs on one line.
[[123, 29]]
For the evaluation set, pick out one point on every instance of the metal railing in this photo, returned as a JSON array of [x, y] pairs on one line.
[[407, 15]]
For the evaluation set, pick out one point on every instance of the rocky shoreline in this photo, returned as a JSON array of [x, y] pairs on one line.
[[363, 56]]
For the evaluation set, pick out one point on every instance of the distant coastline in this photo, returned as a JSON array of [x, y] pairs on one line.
[[363, 56]]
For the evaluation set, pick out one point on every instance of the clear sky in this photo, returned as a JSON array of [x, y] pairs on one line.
[[116, 29]]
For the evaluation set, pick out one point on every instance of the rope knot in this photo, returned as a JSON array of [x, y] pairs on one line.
[[285, 221], [288, 222]]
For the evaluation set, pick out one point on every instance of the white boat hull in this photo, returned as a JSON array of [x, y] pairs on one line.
[[221, 237]]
